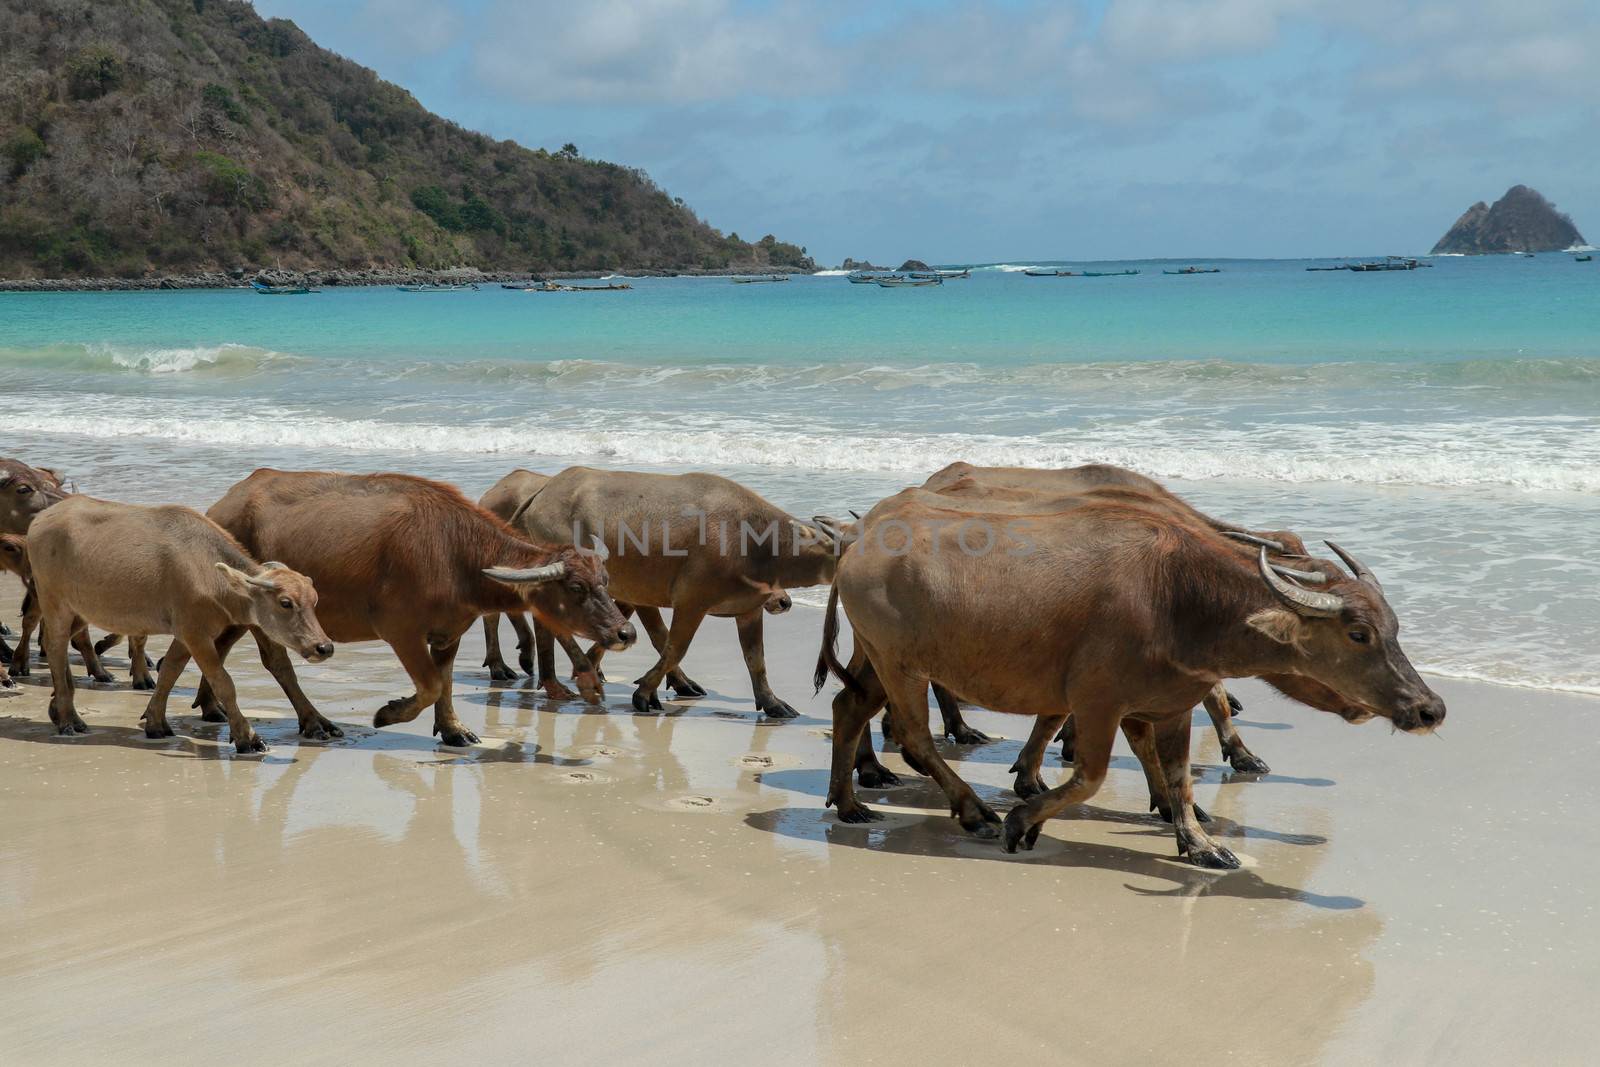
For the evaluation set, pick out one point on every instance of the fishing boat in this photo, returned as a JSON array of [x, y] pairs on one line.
[[900, 283], [1342, 266], [1108, 273], [556, 287], [956, 273], [1203, 270], [430, 287], [1582, 259], [280, 290], [1047, 272], [763, 278]]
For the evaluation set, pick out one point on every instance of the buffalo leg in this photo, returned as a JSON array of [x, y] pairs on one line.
[[63, 712], [91, 662], [908, 704], [544, 641], [493, 659], [852, 714], [1031, 758], [955, 727], [204, 698], [870, 773], [208, 657], [755, 660], [585, 673], [656, 629], [1219, 705], [1024, 821], [1172, 746], [1142, 739], [155, 712], [685, 621], [314, 726], [139, 664], [524, 631], [445, 723], [417, 659], [30, 623]]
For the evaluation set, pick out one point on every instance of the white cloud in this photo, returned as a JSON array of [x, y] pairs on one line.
[[1168, 30]]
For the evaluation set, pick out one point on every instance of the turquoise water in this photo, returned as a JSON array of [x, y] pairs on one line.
[[1444, 423]]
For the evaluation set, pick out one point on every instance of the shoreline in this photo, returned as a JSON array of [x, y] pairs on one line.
[[356, 277], [582, 854]]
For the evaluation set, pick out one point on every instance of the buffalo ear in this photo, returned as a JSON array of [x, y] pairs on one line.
[[236, 578], [1282, 626]]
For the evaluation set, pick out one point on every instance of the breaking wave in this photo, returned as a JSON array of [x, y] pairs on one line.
[[224, 358]]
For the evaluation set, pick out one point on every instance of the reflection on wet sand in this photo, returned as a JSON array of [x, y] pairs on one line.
[[604, 886]]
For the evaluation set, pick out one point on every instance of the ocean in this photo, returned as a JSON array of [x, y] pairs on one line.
[[1443, 424]]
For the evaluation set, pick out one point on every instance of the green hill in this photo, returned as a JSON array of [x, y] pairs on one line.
[[164, 136]]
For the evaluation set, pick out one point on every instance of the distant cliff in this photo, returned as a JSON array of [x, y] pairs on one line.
[[169, 137], [1520, 221]]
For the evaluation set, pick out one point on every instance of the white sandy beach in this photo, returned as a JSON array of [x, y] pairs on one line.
[[590, 886]]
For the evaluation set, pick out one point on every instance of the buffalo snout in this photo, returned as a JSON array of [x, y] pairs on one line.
[[1420, 714], [624, 638], [779, 604], [318, 652]]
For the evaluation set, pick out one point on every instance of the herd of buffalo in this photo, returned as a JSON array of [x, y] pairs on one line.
[[1091, 598]]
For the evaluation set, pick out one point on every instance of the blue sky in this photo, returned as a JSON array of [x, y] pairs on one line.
[[1027, 129]]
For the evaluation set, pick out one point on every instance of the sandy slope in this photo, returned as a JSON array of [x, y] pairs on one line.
[[590, 886]]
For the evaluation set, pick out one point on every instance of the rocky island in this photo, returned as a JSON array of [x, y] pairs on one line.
[[1520, 221]]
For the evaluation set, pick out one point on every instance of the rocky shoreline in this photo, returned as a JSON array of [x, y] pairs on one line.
[[320, 279]]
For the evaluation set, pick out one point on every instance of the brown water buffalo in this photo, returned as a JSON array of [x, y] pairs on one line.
[[503, 500], [1124, 616], [986, 484], [696, 543], [413, 563], [167, 569]]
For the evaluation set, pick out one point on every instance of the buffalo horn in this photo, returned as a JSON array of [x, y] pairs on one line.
[[1252, 539], [526, 575], [1303, 601], [599, 547], [1357, 568], [1314, 577]]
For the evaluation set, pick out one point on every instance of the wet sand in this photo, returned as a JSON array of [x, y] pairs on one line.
[[592, 886]]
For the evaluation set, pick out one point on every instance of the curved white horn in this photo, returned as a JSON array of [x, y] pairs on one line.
[[526, 575], [599, 548], [1303, 601]]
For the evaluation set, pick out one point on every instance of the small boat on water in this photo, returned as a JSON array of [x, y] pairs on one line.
[[281, 290], [1108, 273], [556, 287], [1582, 259], [1202, 270], [1047, 272], [430, 287], [901, 283], [1342, 266], [763, 278], [956, 273], [941, 274]]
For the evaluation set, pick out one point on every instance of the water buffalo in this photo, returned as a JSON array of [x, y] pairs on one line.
[[413, 563], [166, 569], [987, 484], [503, 500], [1125, 616], [14, 559], [696, 543]]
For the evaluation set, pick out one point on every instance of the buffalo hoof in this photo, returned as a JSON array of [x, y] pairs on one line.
[[978, 819], [157, 732], [684, 686], [525, 661], [320, 731], [858, 813], [1248, 763], [777, 709], [1028, 785], [457, 738], [212, 713], [67, 729], [645, 701], [879, 777], [499, 672], [103, 677], [555, 690], [20, 670], [246, 745], [1215, 858], [589, 684], [963, 734], [1234, 707], [7, 683], [145, 683], [1017, 832]]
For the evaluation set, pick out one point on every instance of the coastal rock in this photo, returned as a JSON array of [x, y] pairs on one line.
[[1520, 221], [860, 264], [914, 264]]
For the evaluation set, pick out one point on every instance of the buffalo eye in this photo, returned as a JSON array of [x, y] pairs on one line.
[[1360, 637], [576, 587], [285, 603], [24, 490]]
